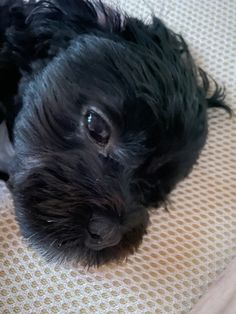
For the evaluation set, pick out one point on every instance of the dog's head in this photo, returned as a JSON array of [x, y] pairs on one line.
[[107, 129]]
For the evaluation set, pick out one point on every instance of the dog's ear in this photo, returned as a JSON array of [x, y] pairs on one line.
[[38, 30], [182, 99]]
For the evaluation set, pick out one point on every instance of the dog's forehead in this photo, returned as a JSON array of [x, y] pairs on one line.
[[102, 67]]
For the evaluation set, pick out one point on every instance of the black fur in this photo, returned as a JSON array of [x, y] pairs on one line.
[[75, 199]]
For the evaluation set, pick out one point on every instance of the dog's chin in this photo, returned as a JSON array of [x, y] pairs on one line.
[[74, 252]]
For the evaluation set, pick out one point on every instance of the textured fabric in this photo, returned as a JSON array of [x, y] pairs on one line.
[[186, 248]]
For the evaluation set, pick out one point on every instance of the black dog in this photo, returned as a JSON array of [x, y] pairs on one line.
[[106, 115]]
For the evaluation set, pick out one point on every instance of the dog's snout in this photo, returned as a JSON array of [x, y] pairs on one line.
[[102, 233]]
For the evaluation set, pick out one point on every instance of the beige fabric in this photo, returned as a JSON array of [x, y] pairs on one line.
[[185, 249]]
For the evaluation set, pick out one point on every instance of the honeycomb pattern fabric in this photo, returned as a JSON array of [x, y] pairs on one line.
[[187, 247]]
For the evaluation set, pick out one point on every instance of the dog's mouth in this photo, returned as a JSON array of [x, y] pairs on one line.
[[96, 243], [93, 252]]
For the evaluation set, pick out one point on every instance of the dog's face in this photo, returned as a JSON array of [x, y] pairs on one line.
[[93, 150], [106, 130]]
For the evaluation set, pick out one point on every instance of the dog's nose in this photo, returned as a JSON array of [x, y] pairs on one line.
[[102, 233]]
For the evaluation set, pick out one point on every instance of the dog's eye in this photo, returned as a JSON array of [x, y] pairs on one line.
[[97, 127]]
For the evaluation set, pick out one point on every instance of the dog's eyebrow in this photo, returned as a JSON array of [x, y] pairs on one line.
[[114, 115]]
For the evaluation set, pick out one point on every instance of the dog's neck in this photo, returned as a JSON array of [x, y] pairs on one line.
[[6, 149]]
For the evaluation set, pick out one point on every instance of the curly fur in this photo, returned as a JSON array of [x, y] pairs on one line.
[[59, 57]]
